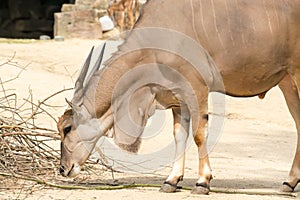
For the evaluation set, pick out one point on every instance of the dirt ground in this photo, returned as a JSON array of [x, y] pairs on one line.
[[253, 154]]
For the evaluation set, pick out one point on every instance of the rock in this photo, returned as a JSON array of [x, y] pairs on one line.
[[86, 3], [59, 38], [78, 24], [73, 8], [101, 4], [45, 37], [106, 23]]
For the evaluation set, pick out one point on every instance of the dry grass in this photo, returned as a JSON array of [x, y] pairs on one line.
[[26, 154], [24, 147]]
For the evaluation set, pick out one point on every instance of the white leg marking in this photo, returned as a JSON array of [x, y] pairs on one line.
[[180, 141], [206, 171]]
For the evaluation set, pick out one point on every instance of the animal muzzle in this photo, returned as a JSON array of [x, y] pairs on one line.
[[63, 171], [73, 171]]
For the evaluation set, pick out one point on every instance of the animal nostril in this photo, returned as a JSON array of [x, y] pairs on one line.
[[61, 170]]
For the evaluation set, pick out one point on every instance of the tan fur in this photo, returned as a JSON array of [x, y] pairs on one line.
[[255, 45], [63, 120]]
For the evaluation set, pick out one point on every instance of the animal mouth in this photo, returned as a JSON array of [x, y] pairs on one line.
[[70, 171], [74, 171], [66, 173]]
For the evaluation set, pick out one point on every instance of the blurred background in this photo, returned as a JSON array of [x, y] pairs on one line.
[[66, 18]]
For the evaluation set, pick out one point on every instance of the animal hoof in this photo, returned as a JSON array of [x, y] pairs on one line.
[[168, 187], [286, 187], [201, 188]]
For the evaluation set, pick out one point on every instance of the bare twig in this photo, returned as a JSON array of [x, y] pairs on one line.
[[5, 95], [69, 74], [49, 135], [9, 60], [32, 107], [26, 147], [18, 75], [38, 106]]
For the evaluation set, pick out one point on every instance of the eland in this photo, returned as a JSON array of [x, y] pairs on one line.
[[178, 52]]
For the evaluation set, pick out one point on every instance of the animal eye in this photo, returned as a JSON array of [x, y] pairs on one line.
[[67, 129]]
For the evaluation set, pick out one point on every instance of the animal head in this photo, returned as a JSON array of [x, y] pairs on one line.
[[78, 128]]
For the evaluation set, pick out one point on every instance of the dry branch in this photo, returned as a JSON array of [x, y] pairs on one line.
[[26, 148], [49, 135]]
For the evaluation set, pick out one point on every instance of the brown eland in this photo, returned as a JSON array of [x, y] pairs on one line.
[[178, 52]]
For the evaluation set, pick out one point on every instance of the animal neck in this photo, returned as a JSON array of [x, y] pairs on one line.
[[116, 67]]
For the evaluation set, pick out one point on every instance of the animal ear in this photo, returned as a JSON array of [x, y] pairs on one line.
[[69, 103], [83, 79], [73, 106]]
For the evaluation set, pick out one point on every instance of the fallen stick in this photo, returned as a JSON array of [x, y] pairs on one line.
[[137, 185], [49, 135]]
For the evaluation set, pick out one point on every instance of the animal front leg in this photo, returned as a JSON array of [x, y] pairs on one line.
[[291, 93], [181, 128]]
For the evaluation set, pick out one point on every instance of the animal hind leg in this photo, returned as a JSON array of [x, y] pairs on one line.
[[290, 90], [204, 171], [181, 130]]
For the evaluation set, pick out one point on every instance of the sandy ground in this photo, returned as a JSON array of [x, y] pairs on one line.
[[254, 151]]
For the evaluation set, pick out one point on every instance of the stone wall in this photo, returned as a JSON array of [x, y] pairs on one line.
[[28, 18], [80, 20], [67, 18]]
